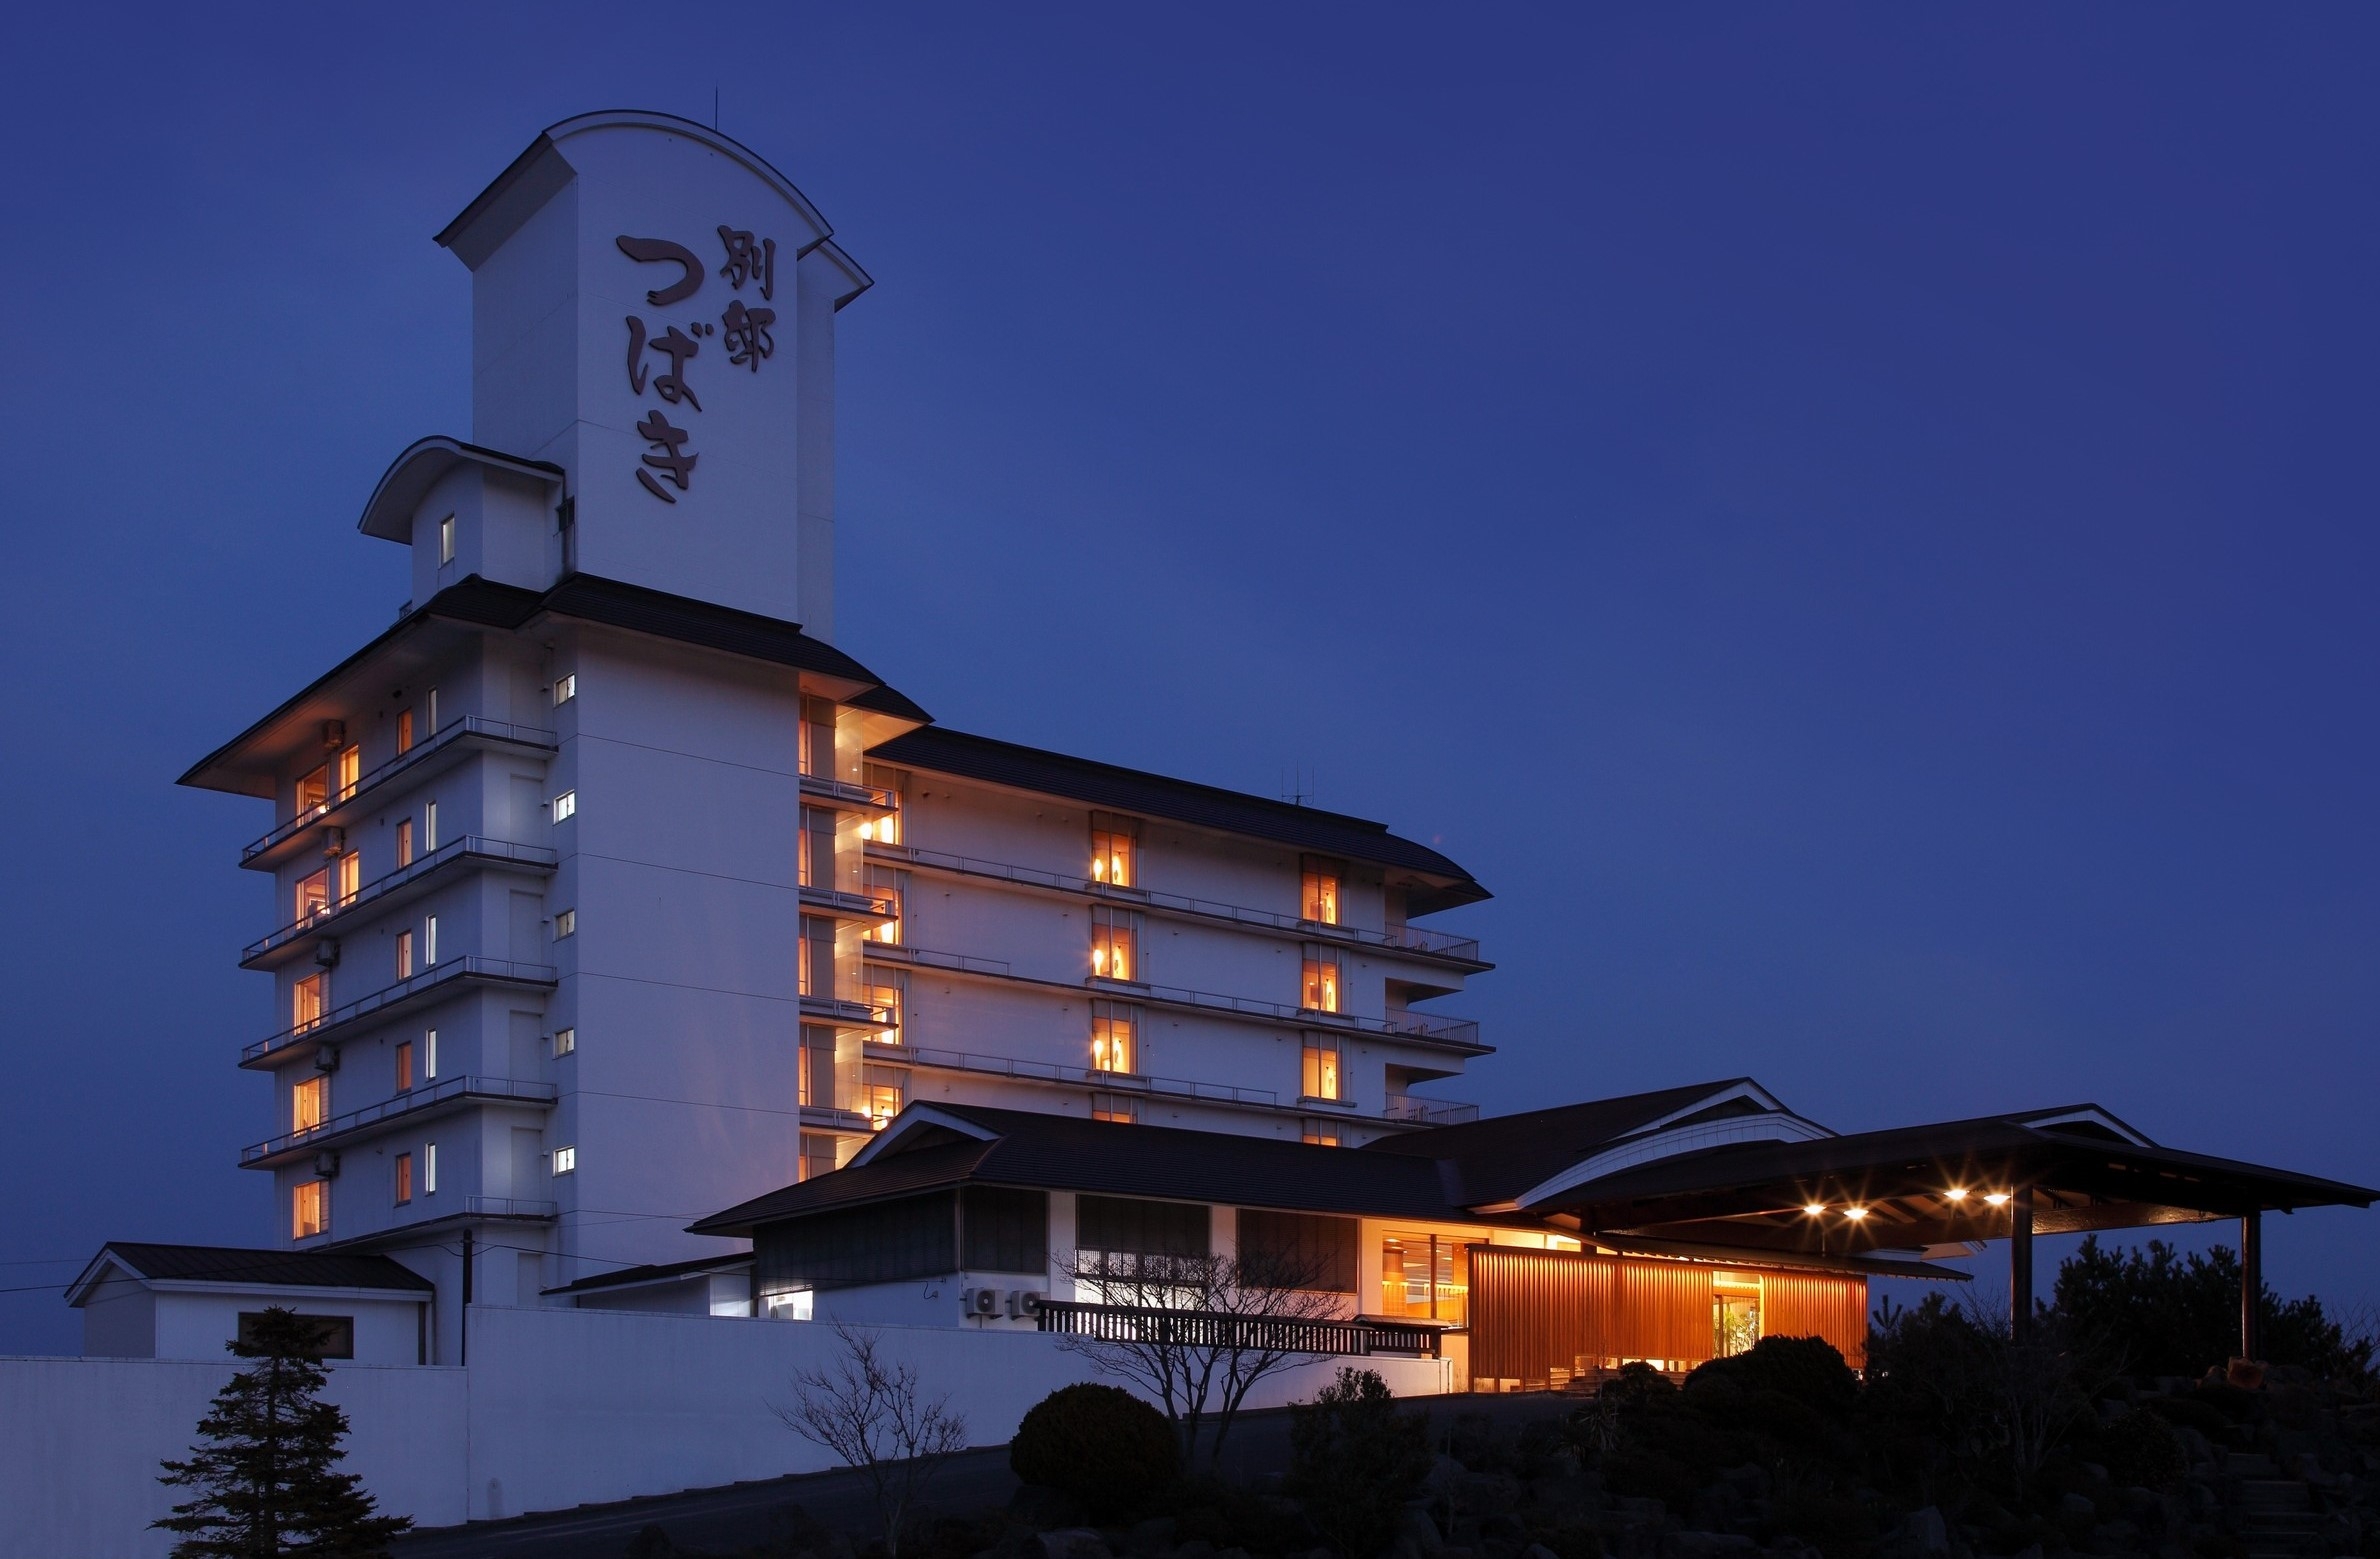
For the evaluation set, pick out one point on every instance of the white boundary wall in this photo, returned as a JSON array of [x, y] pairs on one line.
[[558, 1408]]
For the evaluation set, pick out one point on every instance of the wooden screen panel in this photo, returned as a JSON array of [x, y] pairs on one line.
[[1817, 1304]]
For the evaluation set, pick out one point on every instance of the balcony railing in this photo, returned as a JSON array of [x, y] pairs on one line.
[[848, 1014], [509, 1207], [457, 730], [451, 1091], [857, 906], [1404, 939], [470, 847], [1428, 1112], [866, 797], [1045, 1071], [1249, 1333], [469, 967]]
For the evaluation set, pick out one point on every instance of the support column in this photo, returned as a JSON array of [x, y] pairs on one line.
[[2251, 1282], [2020, 1263]]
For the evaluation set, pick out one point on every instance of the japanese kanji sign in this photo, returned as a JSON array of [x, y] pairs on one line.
[[659, 352]]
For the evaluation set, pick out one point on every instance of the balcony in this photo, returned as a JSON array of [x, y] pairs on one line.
[[398, 887], [847, 1014], [516, 1208], [1076, 1076], [1434, 945], [279, 1049], [1428, 1112], [849, 906], [446, 746], [847, 796], [440, 1098], [1254, 1333]]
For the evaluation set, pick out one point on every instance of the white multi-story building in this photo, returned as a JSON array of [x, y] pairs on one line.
[[604, 896]]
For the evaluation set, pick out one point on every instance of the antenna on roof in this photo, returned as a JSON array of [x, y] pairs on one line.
[[714, 105], [1297, 791]]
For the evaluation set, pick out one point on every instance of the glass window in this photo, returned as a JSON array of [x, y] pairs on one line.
[[1115, 1107], [429, 940], [309, 1209], [1299, 1250], [1322, 1079], [309, 1103], [885, 829], [816, 957], [314, 791], [1321, 989], [429, 826], [1115, 943], [566, 687], [881, 882], [305, 1002], [565, 923], [351, 769], [404, 1065], [431, 703], [1424, 1275], [314, 895], [1319, 1133], [886, 990], [446, 539], [351, 876], [565, 1041], [818, 1155], [818, 737], [1115, 850], [404, 731], [429, 1052], [1115, 1036], [565, 1160], [1319, 894], [404, 955], [429, 1169], [402, 1166], [566, 806], [404, 842], [883, 1091], [816, 849]]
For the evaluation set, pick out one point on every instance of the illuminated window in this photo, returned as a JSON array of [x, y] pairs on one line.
[[351, 769], [893, 782], [1115, 943], [404, 1065], [1735, 1313], [565, 1160], [566, 806], [1115, 1107], [309, 1209], [401, 1168], [314, 791], [566, 687], [1424, 1275], [429, 1169], [886, 990], [309, 1103], [818, 737], [1115, 850], [1115, 1036], [404, 955], [880, 882], [883, 1091], [1318, 895], [446, 539], [1321, 990], [305, 1002], [404, 731], [797, 1304], [404, 842], [429, 940], [429, 826], [1322, 1079], [314, 895], [565, 1041], [351, 876], [1320, 1133], [565, 923]]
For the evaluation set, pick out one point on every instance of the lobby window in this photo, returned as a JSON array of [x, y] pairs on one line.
[[1322, 1078], [446, 539], [404, 842], [1318, 893], [565, 1161], [351, 876], [566, 806], [429, 941], [429, 827], [566, 687], [1115, 1036], [309, 1209], [405, 955], [351, 769], [1115, 850], [565, 1042], [404, 732], [401, 1174], [565, 923], [1319, 1133], [429, 1169], [1115, 943], [314, 791], [309, 1103], [429, 1053], [882, 882], [404, 1069], [305, 1003], [314, 895], [1122, 1108], [1321, 990]]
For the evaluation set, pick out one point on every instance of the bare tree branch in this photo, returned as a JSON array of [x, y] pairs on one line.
[[868, 1412]]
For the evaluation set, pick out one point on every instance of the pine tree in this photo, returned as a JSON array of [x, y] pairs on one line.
[[265, 1466]]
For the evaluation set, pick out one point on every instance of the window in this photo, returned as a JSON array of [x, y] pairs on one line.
[[351, 769], [566, 806], [1319, 1133], [565, 1160], [565, 923], [404, 1065], [429, 940], [882, 882], [815, 851], [430, 701], [404, 731], [309, 1209], [404, 955], [884, 1242], [314, 791], [885, 829], [883, 1092], [1322, 1079], [795, 1304], [314, 895], [818, 737], [401, 1172], [1115, 1036], [565, 1041], [1320, 992], [1424, 1275], [429, 1052], [309, 1103], [1115, 850], [886, 990], [1121, 1108], [429, 1169], [446, 539], [429, 827], [404, 842], [816, 1088], [1299, 1250], [818, 1155], [1318, 895], [1115, 943], [565, 687], [305, 1003], [1131, 1248], [815, 958], [1004, 1230], [351, 876], [334, 1335]]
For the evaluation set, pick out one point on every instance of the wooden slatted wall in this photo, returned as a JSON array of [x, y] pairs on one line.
[[1540, 1317]]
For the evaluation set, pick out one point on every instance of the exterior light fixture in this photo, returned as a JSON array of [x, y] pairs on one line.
[[1814, 1208], [1957, 1193], [1855, 1213], [1996, 1198]]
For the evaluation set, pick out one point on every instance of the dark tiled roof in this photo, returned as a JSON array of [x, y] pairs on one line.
[[1107, 786], [1496, 1159], [629, 1277], [1062, 1152], [280, 1268]]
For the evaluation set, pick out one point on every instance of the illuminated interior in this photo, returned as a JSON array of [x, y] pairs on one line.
[[1319, 895], [1424, 1275], [309, 1103], [305, 1003], [309, 1209], [1115, 1035], [1321, 989], [1115, 842], [314, 895], [1115, 939], [1322, 1067]]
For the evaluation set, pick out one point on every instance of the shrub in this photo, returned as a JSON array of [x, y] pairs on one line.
[[1806, 1370], [2164, 1313], [1103, 1445], [2140, 1448], [1355, 1458]]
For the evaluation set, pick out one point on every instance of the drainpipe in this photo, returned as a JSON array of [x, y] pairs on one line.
[[463, 1320]]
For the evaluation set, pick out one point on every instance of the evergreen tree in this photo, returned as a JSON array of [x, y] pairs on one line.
[[264, 1469]]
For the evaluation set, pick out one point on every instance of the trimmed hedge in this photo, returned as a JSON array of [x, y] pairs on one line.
[[1103, 1445]]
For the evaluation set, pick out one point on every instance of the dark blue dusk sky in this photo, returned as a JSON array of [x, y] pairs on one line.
[[1857, 524]]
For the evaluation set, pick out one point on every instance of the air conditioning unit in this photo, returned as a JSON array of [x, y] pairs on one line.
[[326, 1058], [982, 1301], [334, 733], [334, 843], [1025, 1303], [326, 1166]]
